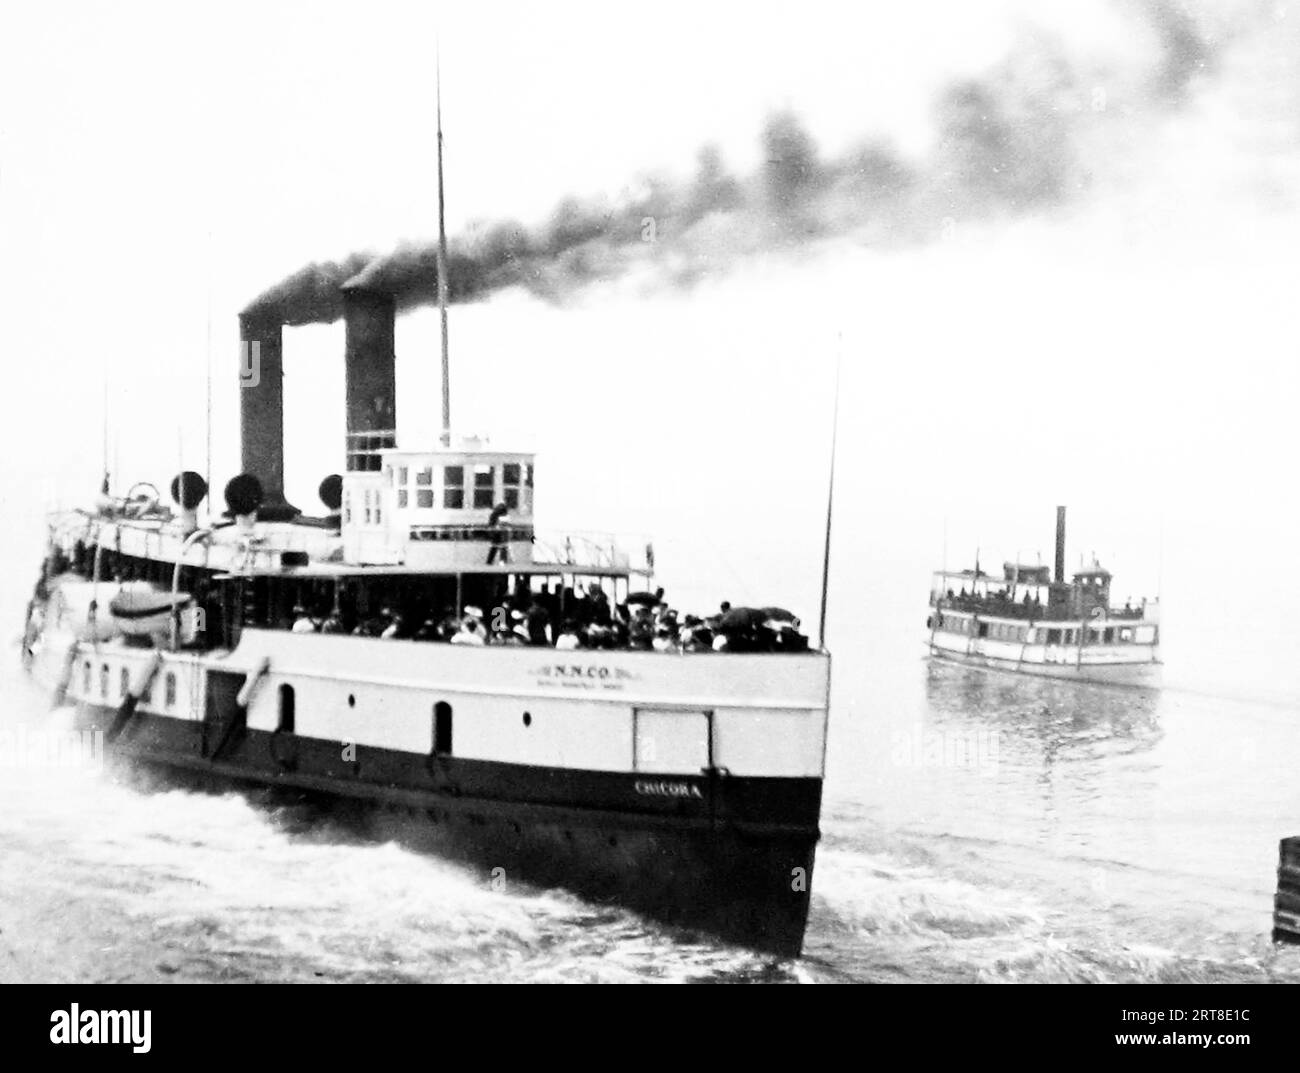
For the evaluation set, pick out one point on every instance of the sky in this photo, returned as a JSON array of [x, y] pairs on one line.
[[1126, 345]]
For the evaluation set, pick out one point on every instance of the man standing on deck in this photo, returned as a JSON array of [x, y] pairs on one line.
[[496, 530]]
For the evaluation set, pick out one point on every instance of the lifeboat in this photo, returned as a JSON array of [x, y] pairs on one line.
[[146, 612]]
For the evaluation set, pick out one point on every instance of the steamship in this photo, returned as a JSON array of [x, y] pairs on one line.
[[237, 644], [1029, 622]]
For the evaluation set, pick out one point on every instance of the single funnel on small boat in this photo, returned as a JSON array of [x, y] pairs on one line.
[[1060, 545]]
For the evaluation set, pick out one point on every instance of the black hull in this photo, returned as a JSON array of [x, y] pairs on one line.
[[729, 856]]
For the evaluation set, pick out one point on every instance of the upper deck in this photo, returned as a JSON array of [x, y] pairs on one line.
[[1087, 595]]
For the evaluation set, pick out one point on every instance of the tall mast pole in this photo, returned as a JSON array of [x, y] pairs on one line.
[[442, 266], [207, 475], [830, 501]]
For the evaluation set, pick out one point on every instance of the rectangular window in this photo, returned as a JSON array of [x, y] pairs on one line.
[[424, 477], [403, 475], [510, 474], [170, 690], [424, 498], [485, 479], [402, 497], [453, 488]]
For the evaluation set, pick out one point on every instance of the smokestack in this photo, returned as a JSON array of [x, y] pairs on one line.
[[370, 375], [1060, 544], [261, 410]]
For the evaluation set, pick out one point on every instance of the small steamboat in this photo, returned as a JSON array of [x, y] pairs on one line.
[[1031, 623]]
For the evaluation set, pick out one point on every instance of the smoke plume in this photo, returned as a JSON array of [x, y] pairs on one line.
[[1026, 136]]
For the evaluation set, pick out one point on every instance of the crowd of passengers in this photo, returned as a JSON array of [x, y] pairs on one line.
[[644, 622], [1000, 602]]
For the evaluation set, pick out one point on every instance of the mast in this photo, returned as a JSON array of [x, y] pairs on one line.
[[830, 502], [207, 466], [105, 486], [442, 266]]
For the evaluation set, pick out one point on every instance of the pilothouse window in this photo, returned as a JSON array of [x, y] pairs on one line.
[[424, 487], [484, 487], [453, 488], [510, 479]]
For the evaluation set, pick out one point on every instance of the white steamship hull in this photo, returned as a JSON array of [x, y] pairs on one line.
[[686, 787], [1130, 665]]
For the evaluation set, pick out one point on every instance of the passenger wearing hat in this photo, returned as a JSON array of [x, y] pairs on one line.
[[538, 623], [302, 622], [641, 631], [701, 639], [470, 633], [664, 640]]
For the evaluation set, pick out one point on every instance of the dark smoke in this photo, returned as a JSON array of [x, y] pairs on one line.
[[1187, 53], [311, 295], [1022, 138]]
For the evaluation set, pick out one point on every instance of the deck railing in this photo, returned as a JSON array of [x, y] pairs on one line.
[[610, 551]]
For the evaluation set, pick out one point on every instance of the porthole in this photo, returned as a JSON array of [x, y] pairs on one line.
[[528, 719], [352, 700]]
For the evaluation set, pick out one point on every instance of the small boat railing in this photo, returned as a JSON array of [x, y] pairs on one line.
[[603, 550]]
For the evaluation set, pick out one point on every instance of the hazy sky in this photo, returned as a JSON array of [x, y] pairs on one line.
[[1131, 345]]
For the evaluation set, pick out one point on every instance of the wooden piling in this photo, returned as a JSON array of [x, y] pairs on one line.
[[1286, 902]]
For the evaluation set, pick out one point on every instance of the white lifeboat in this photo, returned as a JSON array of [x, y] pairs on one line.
[[146, 611]]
